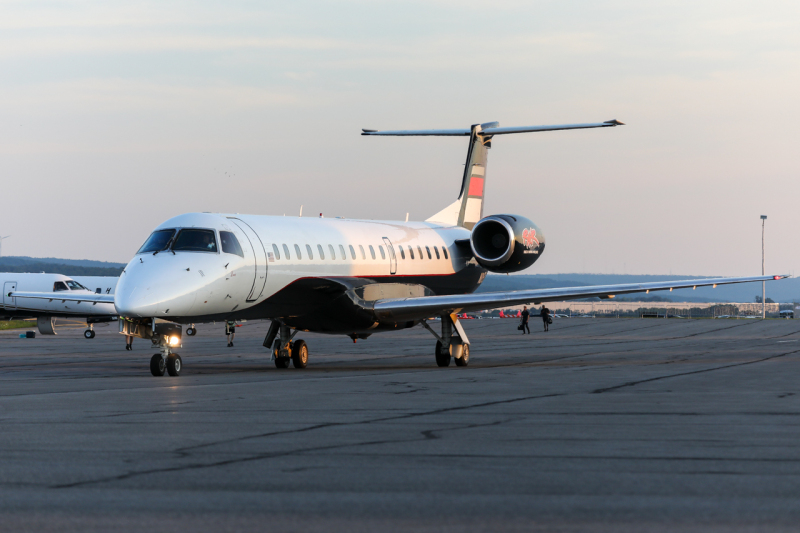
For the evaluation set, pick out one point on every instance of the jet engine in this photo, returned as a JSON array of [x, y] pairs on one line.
[[506, 243]]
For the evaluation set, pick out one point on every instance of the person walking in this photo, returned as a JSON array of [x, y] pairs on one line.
[[545, 317], [129, 342], [230, 331], [525, 315]]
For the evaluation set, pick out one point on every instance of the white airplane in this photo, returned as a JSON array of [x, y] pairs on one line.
[[342, 276], [64, 290]]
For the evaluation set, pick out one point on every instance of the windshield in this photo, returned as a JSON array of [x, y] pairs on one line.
[[195, 240], [157, 241], [74, 285]]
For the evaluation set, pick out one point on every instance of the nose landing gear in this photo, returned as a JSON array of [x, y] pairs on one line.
[[89, 333], [191, 330]]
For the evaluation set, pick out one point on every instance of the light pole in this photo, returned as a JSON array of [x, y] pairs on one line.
[[1, 244], [763, 283]]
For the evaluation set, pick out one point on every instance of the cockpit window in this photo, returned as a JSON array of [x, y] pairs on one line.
[[75, 286], [157, 241], [230, 244], [195, 240], [59, 286]]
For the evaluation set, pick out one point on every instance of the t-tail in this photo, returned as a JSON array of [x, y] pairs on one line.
[[467, 210]]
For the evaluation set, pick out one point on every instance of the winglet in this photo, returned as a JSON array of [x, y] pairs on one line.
[[615, 122]]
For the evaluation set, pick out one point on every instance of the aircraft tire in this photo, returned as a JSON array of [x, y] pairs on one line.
[[282, 362], [464, 359], [89, 334], [174, 364], [157, 365], [442, 360], [299, 354], [191, 332]]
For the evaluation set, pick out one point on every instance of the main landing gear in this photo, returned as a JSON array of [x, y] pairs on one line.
[[191, 330], [89, 333], [284, 350], [450, 346]]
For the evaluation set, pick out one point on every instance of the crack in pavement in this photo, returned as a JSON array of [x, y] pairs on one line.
[[184, 452], [634, 383]]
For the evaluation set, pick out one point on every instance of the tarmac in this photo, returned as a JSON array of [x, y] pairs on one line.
[[597, 425]]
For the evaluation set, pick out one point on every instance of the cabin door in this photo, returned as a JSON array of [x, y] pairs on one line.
[[9, 302], [260, 253], [392, 257]]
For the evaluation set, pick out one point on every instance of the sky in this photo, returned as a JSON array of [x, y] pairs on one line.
[[115, 116]]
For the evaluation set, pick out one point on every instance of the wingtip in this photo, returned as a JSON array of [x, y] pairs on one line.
[[367, 132], [614, 122]]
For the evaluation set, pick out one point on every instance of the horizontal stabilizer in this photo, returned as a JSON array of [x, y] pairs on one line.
[[487, 131]]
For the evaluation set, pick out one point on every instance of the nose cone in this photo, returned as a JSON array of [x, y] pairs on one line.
[[154, 290]]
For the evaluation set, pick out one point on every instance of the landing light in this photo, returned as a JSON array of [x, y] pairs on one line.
[[174, 340]]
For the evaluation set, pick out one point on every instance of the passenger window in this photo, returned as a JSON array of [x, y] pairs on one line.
[[427, 249], [310, 253], [59, 286], [411, 252], [230, 244], [333, 254], [195, 240], [321, 253], [344, 255], [372, 251], [383, 255], [297, 251], [352, 252], [435, 249], [286, 251], [420, 252], [363, 255], [402, 253], [277, 253], [444, 251]]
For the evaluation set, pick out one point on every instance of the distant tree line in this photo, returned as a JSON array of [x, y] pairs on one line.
[[67, 270]]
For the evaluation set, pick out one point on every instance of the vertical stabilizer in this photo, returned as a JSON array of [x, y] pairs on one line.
[[467, 210]]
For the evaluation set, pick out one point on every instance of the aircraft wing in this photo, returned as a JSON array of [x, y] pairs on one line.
[[426, 306], [66, 296]]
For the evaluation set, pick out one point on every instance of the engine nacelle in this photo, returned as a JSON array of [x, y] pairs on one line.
[[506, 243]]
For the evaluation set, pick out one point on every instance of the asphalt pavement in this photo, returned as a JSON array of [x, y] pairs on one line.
[[597, 425]]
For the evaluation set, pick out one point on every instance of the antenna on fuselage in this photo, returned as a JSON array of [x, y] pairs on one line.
[[406, 217], [301, 210]]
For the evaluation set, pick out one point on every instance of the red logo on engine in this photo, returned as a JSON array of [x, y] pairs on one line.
[[529, 238]]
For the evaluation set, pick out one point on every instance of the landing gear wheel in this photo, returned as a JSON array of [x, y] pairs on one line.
[[174, 364], [191, 332], [299, 354], [282, 362], [464, 359], [89, 334], [442, 359], [157, 365]]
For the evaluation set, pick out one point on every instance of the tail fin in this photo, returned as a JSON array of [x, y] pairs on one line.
[[467, 210]]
